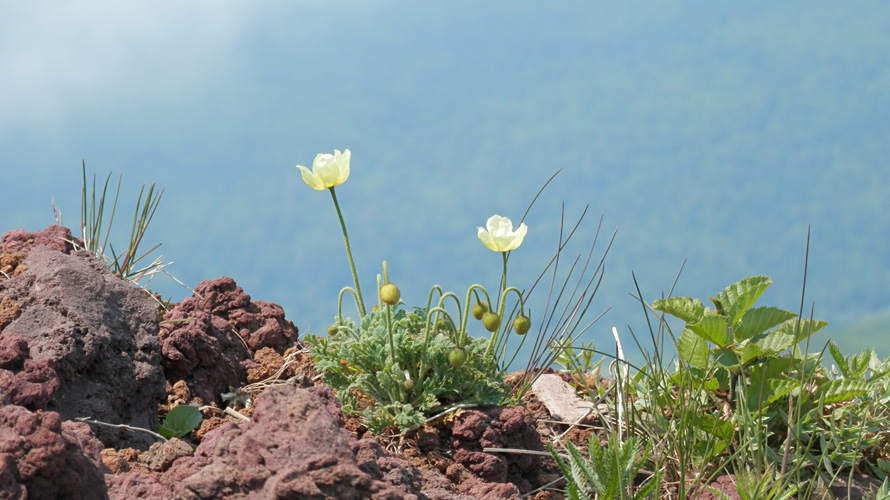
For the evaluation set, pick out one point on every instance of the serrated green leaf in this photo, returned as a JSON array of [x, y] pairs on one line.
[[774, 342], [180, 421], [712, 328], [763, 393], [726, 358], [749, 352], [712, 425], [759, 320], [685, 308], [839, 359], [692, 349], [739, 297], [802, 329], [841, 390]]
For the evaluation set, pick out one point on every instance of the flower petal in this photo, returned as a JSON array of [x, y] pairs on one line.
[[500, 236], [518, 236], [486, 239], [310, 179]]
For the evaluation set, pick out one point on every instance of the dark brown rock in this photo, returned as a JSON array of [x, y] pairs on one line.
[[98, 336], [42, 457], [209, 339]]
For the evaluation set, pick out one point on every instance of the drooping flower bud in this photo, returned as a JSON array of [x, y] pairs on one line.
[[408, 384], [480, 309], [491, 321], [389, 293], [333, 329], [522, 324], [457, 357]]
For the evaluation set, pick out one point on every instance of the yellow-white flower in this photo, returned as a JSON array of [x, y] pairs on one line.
[[328, 170], [500, 236]]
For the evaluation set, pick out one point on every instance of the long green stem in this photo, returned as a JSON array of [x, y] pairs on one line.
[[503, 279], [358, 289]]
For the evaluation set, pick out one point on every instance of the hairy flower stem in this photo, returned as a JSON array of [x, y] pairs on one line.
[[358, 299], [503, 284], [462, 330], [502, 300], [392, 345]]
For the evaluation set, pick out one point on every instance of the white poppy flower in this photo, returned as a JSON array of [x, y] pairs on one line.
[[328, 170], [500, 236]]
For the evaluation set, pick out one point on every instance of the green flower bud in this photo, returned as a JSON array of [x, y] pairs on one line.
[[389, 293], [457, 357], [408, 384], [491, 321], [480, 309], [521, 325], [333, 329]]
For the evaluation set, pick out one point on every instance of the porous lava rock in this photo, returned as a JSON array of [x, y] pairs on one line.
[[424, 484], [208, 339], [58, 238], [92, 344], [497, 475], [23, 381], [43, 457], [292, 448]]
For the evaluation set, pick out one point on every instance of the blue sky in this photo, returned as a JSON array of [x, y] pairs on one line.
[[453, 112]]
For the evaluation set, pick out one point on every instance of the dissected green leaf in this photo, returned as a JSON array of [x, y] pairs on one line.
[[737, 298], [180, 421], [759, 320], [685, 308]]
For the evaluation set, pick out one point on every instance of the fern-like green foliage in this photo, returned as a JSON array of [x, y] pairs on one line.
[[610, 472], [357, 363], [757, 485]]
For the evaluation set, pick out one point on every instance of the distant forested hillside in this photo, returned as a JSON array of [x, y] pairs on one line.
[[708, 133]]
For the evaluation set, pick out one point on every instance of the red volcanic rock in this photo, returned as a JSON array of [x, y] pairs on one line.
[[207, 338], [292, 448], [97, 333], [498, 473], [58, 238], [397, 471], [42, 457]]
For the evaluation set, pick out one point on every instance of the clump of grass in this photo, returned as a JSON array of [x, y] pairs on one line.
[[125, 264]]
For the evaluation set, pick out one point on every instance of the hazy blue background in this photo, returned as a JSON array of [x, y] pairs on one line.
[[706, 131]]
